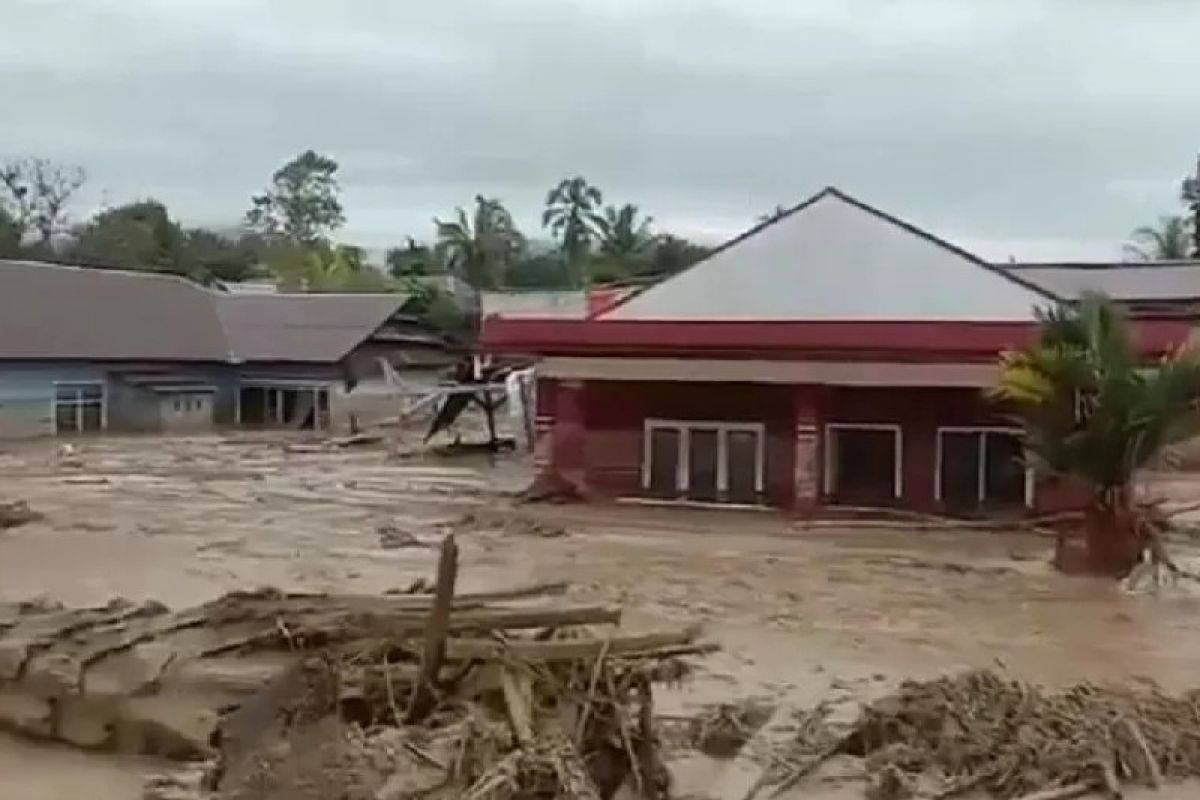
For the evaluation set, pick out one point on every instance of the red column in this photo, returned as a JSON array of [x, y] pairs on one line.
[[568, 442]]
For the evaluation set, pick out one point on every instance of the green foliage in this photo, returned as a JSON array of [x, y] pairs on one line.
[[1172, 239], [11, 234], [480, 248], [1090, 408], [140, 235], [209, 256], [325, 268], [572, 215], [673, 254], [412, 259], [1190, 194], [437, 308], [36, 194], [301, 207], [541, 271]]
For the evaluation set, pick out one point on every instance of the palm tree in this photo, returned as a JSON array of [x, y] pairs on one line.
[[1169, 241], [623, 236], [480, 248], [1094, 413], [571, 214]]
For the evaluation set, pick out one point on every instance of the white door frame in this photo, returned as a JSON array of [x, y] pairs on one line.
[[723, 429], [830, 460], [981, 467], [78, 411]]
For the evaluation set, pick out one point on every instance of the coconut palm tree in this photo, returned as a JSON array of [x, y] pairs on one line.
[[481, 247], [1172, 239], [1094, 413], [622, 235], [572, 215]]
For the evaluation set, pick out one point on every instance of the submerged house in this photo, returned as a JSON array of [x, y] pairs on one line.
[[85, 350], [836, 355]]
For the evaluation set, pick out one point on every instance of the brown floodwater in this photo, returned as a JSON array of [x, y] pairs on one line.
[[800, 611]]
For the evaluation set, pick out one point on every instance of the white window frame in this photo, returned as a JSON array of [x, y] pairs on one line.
[[981, 479], [723, 429], [831, 429], [78, 415]]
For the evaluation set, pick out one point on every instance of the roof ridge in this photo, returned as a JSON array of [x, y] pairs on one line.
[[1100, 266]]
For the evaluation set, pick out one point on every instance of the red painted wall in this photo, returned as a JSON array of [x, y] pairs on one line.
[[615, 412]]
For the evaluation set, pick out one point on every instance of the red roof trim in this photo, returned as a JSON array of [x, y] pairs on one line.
[[859, 339]]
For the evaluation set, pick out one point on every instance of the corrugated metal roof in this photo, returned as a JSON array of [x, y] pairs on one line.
[[302, 327], [49, 311], [1177, 281], [61, 312], [834, 257]]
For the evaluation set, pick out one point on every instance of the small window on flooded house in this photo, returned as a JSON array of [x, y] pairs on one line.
[[78, 407]]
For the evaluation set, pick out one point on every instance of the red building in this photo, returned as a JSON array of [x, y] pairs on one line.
[[835, 355]]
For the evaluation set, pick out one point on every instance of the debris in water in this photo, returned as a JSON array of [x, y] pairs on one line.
[[17, 513]]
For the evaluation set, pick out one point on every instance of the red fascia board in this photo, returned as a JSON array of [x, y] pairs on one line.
[[937, 339]]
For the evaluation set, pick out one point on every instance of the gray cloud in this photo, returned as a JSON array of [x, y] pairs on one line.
[[1034, 126]]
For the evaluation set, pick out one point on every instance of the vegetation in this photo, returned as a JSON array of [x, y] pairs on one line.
[[37, 192], [301, 207], [1170, 240], [1095, 414], [573, 217], [482, 247]]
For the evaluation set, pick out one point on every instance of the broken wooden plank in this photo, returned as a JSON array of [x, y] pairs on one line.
[[517, 688], [568, 649], [424, 695]]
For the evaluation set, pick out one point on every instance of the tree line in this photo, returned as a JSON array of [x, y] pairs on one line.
[[288, 235]]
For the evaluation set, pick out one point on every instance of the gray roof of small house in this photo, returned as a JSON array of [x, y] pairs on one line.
[[302, 327], [1156, 281], [49, 311]]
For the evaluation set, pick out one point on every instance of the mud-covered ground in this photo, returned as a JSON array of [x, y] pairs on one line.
[[802, 611]]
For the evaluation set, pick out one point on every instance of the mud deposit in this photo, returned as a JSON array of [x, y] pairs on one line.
[[803, 614]]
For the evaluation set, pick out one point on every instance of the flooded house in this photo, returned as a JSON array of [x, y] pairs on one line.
[[89, 350], [835, 355]]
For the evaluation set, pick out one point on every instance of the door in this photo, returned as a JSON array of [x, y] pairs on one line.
[[863, 465], [1004, 470], [702, 465], [664, 462], [742, 453], [959, 481]]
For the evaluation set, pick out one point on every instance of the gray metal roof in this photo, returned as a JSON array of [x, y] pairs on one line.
[[61, 312], [302, 327], [1166, 281]]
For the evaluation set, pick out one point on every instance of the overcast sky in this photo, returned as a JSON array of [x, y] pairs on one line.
[[1041, 128]]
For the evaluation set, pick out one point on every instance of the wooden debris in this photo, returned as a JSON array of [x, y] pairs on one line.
[[17, 513], [436, 630]]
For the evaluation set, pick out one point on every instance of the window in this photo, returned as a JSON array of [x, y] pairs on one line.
[[720, 462], [78, 407], [981, 467]]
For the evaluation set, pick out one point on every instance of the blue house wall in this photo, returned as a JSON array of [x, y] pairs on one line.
[[27, 395]]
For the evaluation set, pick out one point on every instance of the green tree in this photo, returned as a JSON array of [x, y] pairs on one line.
[[325, 268], [1171, 240], [1095, 413], [139, 235], [11, 234], [210, 256], [1190, 193], [411, 259], [540, 271], [624, 237], [673, 254], [482, 247], [301, 207], [37, 192], [573, 216]]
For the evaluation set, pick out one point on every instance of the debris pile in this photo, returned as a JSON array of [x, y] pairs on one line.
[[17, 513], [507, 523], [467, 707], [981, 732], [722, 729]]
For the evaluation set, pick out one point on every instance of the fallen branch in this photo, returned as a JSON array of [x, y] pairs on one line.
[[424, 696]]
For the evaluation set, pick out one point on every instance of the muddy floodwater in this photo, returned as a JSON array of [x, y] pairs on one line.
[[801, 610]]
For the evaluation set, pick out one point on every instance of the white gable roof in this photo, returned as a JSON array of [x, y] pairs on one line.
[[836, 258]]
